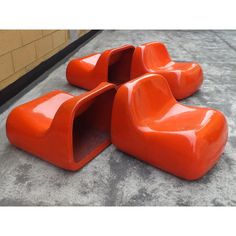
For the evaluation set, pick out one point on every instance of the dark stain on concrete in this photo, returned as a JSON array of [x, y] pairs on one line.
[[217, 202], [142, 198], [183, 202], [120, 164], [22, 174], [229, 162]]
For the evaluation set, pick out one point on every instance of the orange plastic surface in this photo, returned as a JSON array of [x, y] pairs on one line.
[[112, 66], [149, 124], [184, 78], [65, 130]]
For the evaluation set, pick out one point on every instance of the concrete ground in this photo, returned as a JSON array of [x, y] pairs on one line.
[[114, 178]]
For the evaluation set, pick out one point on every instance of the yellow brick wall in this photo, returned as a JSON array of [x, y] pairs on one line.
[[22, 50]]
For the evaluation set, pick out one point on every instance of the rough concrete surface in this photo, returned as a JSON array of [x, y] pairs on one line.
[[114, 178]]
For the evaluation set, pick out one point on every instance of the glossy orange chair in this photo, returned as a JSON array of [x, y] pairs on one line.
[[65, 130], [149, 124], [184, 78], [112, 66]]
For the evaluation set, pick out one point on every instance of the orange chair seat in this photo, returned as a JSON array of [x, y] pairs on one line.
[[149, 124], [65, 130], [184, 78], [112, 66]]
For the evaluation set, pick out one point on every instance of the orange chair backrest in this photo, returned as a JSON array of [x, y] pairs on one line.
[[155, 54], [151, 96], [115, 64]]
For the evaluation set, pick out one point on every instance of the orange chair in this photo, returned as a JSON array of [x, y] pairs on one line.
[[65, 130], [112, 65], [150, 125], [184, 78]]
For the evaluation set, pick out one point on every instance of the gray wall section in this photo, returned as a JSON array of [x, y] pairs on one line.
[[73, 35]]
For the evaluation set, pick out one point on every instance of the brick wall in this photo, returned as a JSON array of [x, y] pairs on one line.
[[22, 50]]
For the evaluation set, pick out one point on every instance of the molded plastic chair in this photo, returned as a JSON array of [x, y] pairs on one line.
[[65, 130], [150, 125], [112, 66], [184, 78]]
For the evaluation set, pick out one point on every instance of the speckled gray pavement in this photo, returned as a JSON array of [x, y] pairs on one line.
[[114, 178]]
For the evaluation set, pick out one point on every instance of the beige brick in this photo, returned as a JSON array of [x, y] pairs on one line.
[[4, 83], [6, 66], [24, 56], [60, 47], [48, 55], [29, 36], [59, 37], [54, 51], [46, 32], [9, 40], [45, 57], [33, 65], [43, 46]]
